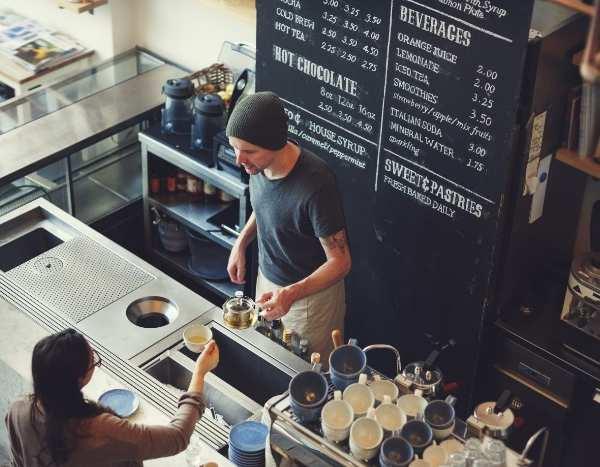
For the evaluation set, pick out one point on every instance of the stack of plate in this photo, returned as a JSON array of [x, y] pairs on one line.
[[247, 444]]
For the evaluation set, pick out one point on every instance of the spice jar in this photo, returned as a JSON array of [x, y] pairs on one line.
[[287, 338], [171, 183], [181, 181], [210, 191], [225, 197], [155, 184], [193, 187]]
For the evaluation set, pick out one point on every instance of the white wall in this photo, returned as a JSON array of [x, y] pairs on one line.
[[188, 32]]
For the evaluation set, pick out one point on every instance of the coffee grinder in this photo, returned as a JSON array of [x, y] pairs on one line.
[[176, 116]]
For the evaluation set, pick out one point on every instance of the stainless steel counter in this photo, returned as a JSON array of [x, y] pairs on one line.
[[77, 124], [61, 273]]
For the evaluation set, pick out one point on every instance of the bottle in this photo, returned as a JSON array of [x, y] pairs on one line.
[[303, 348], [171, 182], [277, 330], [287, 338], [154, 183], [193, 187], [210, 191], [262, 326], [181, 177]]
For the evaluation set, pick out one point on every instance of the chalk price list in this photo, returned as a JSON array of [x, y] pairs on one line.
[[482, 116], [356, 36], [352, 34]]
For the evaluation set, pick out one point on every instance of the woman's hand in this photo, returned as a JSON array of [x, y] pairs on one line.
[[208, 359]]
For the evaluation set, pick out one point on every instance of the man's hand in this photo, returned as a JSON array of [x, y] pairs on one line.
[[236, 265], [277, 303]]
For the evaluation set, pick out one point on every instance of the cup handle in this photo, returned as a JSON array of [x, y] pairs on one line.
[[387, 399], [419, 392], [450, 399], [337, 395], [376, 378], [371, 413], [362, 379], [352, 341], [420, 416]]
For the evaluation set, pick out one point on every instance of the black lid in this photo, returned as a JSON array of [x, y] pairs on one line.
[[179, 88], [209, 104]]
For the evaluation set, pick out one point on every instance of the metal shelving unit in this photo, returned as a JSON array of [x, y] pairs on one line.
[[201, 216]]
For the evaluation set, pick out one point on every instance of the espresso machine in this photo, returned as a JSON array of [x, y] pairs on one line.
[[580, 316]]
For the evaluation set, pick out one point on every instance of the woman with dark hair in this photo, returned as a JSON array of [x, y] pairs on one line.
[[57, 426]]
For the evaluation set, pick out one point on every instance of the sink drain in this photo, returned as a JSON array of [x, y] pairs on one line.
[[152, 312], [47, 265]]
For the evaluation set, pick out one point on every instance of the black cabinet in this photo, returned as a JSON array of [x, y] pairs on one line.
[[583, 427], [550, 389]]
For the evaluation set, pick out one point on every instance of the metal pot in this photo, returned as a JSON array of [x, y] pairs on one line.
[[424, 376], [177, 112], [208, 120], [240, 312], [494, 418]]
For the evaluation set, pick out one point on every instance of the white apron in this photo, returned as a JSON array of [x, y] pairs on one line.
[[313, 317]]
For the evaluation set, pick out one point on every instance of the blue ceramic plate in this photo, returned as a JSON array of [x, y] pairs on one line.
[[248, 437], [122, 401]]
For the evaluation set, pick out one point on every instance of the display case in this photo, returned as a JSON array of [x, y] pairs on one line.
[[75, 142]]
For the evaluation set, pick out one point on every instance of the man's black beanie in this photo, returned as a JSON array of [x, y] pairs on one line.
[[259, 119]]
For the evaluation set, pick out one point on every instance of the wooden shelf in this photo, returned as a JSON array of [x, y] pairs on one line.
[[585, 164], [82, 7]]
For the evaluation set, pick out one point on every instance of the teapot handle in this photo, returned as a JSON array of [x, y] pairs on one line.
[[388, 347]]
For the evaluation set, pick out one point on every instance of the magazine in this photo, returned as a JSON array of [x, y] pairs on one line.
[[31, 45]]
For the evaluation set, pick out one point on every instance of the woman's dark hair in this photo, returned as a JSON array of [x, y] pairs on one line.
[[58, 364]]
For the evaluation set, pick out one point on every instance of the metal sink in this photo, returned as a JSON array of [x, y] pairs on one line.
[[26, 247], [243, 369], [224, 402]]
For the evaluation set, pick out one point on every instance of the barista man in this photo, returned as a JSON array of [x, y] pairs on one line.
[[303, 253]]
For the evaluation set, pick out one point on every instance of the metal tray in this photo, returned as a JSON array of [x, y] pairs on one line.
[[310, 434]]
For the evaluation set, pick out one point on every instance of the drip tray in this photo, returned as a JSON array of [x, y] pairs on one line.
[[78, 277]]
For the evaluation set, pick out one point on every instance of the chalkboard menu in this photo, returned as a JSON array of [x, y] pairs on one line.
[[412, 103]]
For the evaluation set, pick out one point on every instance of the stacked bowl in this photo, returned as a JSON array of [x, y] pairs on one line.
[[247, 444]]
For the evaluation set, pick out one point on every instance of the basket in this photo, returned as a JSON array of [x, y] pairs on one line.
[[212, 79]]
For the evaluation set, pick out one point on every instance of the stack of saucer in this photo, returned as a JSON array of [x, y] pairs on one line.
[[247, 444]]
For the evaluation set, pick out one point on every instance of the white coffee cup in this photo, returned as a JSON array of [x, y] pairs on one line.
[[336, 418], [390, 416], [412, 404], [419, 463], [366, 436], [435, 455], [196, 336], [451, 446], [359, 396], [443, 434], [382, 388]]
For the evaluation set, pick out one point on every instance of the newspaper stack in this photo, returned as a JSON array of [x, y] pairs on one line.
[[33, 46]]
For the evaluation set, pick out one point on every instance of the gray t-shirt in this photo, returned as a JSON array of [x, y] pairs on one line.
[[292, 213]]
